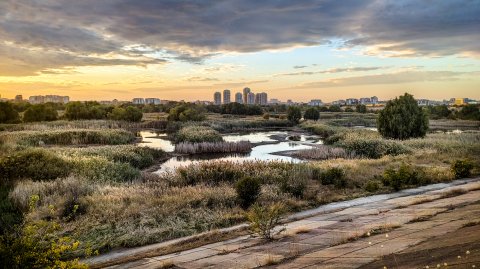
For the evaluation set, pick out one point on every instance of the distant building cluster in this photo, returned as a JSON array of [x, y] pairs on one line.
[[248, 97], [146, 101], [41, 99], [368, 101]]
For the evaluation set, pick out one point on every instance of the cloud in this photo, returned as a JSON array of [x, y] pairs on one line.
[[333, 70], [299, 66], [192, 31], [201, 79], [390, 78]]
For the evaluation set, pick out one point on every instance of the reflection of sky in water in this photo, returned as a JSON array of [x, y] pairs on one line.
[[154, 140], [261, 152]]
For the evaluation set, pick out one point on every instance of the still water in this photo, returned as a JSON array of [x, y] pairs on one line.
[[268, 143]]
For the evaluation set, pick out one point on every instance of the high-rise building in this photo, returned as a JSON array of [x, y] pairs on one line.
[[250, 98], [262, 98], [374, 100], [217, 98], [226, 96], [238, 98], [246, 91]]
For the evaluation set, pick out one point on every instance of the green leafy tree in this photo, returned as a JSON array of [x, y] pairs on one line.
[[294, 114], [76, 111], [361, 108], [469, 112], [186, 112], [8, 114], [402, 118], [133, 114], [311, 114], [248, 189], [335, 108], [40, 112]]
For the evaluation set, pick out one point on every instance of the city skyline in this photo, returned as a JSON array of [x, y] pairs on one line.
[[186, 50]]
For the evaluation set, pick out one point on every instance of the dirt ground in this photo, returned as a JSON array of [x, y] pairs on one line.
[[451, 248]]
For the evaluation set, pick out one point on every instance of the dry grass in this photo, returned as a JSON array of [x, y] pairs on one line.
[[271, 260], [213, 147], [453, 192], [324, 153]]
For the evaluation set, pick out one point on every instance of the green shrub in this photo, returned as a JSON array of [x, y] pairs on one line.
[[40, 112], [197, 134], [372, 148], [311, 113], [187, 112], [11, 215], [264, 219], [404, 175], [462, 168], [248, 189], [335, 176], [37, 164], [402, 118], [8, 114], [371, 186], [294, 114], [100, 169]]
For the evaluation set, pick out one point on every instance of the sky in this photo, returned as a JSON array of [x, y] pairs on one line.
[[188, 49]]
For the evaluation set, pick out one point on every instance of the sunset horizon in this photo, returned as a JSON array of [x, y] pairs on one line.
[[186, 50]]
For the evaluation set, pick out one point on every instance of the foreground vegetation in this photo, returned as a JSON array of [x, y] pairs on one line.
[[91, 179]]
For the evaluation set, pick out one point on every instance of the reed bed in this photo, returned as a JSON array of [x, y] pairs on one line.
[[197, 134], [324, 153], [213, 147], [68, 137]]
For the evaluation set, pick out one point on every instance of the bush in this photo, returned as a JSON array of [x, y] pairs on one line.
[[311, 114], [462, 168], [372, 186], [361, 108], [402, 118], [294, 114], [37, 164], [40, 112], [404, 175], [248, 189], [263, 220], [213, 147], [371, 148], [130, 113], [11, 215], [36, 245], [186, 112], [240, 109], [8, 114], [197, 134], [86, 111], [99, 169], [335, 176]]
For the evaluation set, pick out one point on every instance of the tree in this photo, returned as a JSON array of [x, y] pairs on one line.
[[361, 108], [40, 112], [402, 118], [8, 114], [294, 114], [186, 112], [311, 114], [335, 108], [76, 111], [469, 112], [133, 114]]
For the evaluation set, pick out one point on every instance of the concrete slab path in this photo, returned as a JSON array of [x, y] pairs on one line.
[[334, 235]]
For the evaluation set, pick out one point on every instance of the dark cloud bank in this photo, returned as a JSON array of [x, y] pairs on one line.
[[37, 35]]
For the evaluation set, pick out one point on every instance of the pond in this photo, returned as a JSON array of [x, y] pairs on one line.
[[265, 145]]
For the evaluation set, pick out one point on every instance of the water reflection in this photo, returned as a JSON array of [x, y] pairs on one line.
[[277, 142]]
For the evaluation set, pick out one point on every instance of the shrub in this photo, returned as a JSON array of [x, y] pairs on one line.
[[130, 113], [11, 215], [402, 118], [371, 186], [8, 114], [197, 134], [40, 112], [86, 110], [462, 168], [263, 220], [266, 116], [361, 108], [294, 114], [37, 164], [248, 189], [186, 112], [404, 175], [100, 169], [335, 176], [312, 114], [36, 245], [371, 148]]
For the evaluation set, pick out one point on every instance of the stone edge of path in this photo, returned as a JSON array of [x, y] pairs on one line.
[[122, 255]]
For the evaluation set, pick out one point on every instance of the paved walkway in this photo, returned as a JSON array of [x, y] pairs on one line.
[[326, 237]]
